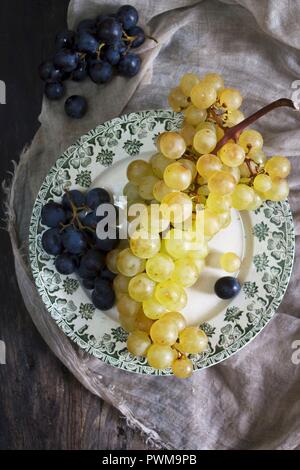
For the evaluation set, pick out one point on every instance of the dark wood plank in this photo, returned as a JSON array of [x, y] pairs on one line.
[[42, 406]]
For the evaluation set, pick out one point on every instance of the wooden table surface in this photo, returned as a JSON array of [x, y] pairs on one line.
[[42, 406]]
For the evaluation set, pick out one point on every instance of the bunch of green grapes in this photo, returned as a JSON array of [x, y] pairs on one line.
[[164, 257]]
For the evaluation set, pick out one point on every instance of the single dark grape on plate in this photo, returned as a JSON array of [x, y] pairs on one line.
[[97, 196], [110, 31], [53, 215], [86, 42], [87, 25], [65, 263], [74, 241], [128, 16], [65, 40], [54, 91], [139, 36], [66, 59], [81, 72], [129, 65], [103, 295], [76, 106], [227, 287], [74, 195], [100, 71], [52, 241]]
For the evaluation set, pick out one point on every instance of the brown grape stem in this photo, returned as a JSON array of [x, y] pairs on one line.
[[235, 131]]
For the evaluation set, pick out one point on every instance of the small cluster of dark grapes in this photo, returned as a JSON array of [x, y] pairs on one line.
[[93, 50], [72, 239]]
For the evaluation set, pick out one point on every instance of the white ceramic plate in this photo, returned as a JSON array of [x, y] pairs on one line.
[[264, 239]]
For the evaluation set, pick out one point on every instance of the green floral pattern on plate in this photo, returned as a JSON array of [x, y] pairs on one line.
[[99, 333]]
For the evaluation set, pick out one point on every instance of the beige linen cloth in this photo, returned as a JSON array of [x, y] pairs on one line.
[[250, 401]]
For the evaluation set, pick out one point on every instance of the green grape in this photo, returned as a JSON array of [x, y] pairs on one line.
[[262, 183], [127, 307], [197, 257], [131, 192], [257, 202], [146, 185], [192, 340], [208, 164], [220, 133], [224, 219], [176, 317], [218, 203], [152, 219], [138, 343], [171, 295], [153, 309], [233, 117], [120, 284], [176, 243], [230, 262], [172, 145], [242, 197], [278, 167], [258, 156], [203, 95], [160, 267], [164, 332], [128, 323], [142, 322], [230, 98], [194, 116], [177, 207], [182, 368], [279, 190], [215, 80], [141, 287], [232, 154], [177, 176], [177, 100], [159, 163], [160, 356], [144, 244], [188, 132], [221, 183], [160, 190], [234, 171], [205, 141], [187, 82], [211, 223], [251, 140], [128, 264], [244, 169], [206, 125], [136, 170], [111, 260], [190, 165], [185, 273]]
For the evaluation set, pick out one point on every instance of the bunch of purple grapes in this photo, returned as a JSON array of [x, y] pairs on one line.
[[97, 48], [71, 237]]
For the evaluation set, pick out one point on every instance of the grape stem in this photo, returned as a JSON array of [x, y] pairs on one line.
[[235, 131]]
